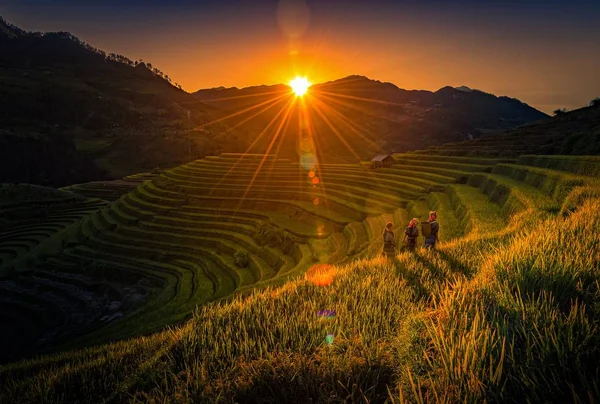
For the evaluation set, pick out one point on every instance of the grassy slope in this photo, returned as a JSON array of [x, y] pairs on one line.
[[504, 314], [574, 133]]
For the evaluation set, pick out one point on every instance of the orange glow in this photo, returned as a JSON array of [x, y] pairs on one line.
[[315, 180], [311, 174], [321, 274], [300, 86]]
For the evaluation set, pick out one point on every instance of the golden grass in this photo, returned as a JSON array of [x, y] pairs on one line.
[[502, 315]]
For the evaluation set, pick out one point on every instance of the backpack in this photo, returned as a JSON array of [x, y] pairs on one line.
[[426, 229]]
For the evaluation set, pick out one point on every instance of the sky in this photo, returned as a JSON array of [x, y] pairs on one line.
[[546, 53]]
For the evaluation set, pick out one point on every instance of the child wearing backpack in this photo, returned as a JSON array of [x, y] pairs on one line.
[[411, 233]]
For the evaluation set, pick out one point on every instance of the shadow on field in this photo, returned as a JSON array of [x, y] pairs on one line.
[[562, 290], [530, 361], [412, 278], [428, 264], [330, 377], [454, 263]]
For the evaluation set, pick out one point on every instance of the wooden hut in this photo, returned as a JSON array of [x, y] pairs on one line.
[[382, 160]]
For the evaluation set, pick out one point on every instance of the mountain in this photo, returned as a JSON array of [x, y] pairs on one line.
[[373, 116], [8, 30], [71, 113], [573, 133], [464, 89], [102, 115]]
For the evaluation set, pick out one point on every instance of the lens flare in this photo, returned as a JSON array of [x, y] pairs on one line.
[[308, 161], [321, 274]]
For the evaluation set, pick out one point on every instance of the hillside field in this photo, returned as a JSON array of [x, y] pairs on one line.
[[241, 254]]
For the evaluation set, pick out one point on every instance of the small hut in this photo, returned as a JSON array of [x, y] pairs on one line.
[[382, 160]]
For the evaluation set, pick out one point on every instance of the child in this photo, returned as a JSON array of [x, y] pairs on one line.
[[411, 233]]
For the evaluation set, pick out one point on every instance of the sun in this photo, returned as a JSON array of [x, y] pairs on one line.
[[300, 85]]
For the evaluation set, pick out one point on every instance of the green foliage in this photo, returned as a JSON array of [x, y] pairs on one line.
[[581, 165], [241, 259], [517, 329], [505, 308], [17, 195], [577, 198], [268, 235]]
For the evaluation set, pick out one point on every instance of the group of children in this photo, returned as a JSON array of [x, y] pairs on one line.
[[429, 229]]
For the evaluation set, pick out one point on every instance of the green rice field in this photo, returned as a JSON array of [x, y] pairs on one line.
[[204, 283]]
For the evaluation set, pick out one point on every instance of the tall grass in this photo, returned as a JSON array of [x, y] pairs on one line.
[[510, 315], [525, 327]]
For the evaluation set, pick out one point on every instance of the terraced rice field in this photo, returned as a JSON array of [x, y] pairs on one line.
[[109, 190], [37, 305], [173, 240], [510, 145], [222, 225]]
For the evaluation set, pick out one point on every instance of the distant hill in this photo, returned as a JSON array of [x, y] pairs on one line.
[[464, 88], [433, 116], [374, 116], [102, 115], [72, 113], [576, 132]]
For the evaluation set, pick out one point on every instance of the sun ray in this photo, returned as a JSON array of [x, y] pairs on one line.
[[260, 135], [349, 105], [317, 153], [353, 97], [371, 175], [245, 96], [284, 131], [275, 136], [275, 102], [334, 130], [353, 126], [242, 111]]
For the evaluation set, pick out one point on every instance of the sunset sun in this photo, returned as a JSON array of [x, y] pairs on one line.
[[300, 85]]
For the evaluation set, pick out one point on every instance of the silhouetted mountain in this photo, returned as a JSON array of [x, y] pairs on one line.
[[8, 30], [106, 116], [117, 115], [375, 116], [224, 92], [576, 132], [464, 89]]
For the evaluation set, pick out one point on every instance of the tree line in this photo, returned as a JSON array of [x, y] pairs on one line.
[[108, 56]]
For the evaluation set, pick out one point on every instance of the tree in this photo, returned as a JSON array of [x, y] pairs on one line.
[[560, 111], [595, 102]]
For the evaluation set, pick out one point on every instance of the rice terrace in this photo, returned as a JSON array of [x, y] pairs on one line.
[[231, 245]]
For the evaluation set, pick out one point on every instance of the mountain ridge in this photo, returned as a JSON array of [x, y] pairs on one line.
[[116, 116], [391, 119], [361, 79]]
